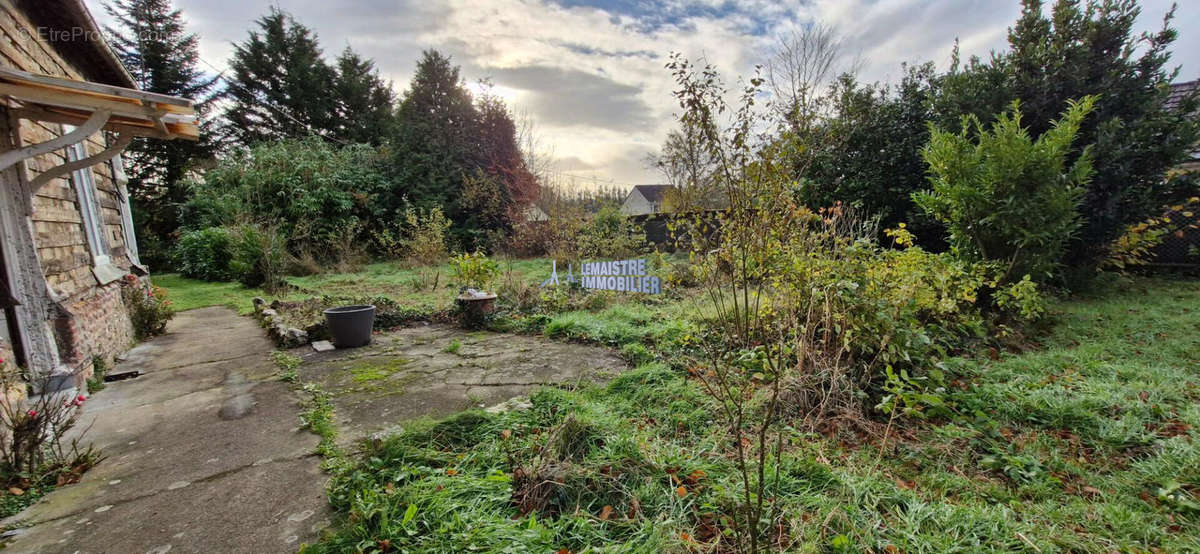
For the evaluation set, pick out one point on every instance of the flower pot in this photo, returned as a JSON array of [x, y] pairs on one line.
[[475, 308], [350, 326]]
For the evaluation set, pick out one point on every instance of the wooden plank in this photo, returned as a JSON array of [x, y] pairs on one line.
[[169, 103]]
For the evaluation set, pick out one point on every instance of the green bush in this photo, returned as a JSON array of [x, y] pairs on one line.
[[321, 197], [1006, 197], [609, 234], [260, 256], [204, 254], [475, 271]]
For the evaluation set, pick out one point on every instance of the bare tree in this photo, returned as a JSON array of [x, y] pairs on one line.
[[685, 164], [800, 66], [539, 157]]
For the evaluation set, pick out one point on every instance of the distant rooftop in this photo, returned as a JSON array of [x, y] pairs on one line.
[[653, 193], [1178, 91]]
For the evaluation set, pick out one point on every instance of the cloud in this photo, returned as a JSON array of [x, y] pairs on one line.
[[590, 72], [570, 97]]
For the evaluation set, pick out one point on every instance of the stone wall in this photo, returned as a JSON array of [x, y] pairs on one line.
[[90, 318]]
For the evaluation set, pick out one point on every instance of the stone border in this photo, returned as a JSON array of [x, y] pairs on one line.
[[284, 336]]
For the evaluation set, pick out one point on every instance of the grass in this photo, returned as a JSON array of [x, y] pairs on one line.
[[1084, 444], [189, 294]]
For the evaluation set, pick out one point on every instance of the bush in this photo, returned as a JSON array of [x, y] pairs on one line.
[[149, 310], [475, 271], [35, 453], [609, 234], [1006, 197], [204, 254], [260, 256], [317, 195]]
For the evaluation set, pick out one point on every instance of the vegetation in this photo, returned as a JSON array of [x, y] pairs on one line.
[[148, 307], [150, 38], [1005, 197], [1099, 421], [38, 448]]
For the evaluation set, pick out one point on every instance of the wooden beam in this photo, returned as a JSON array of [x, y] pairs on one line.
[[58, 171], [137, 128], [17, 75], [68, 100], [81, 133]]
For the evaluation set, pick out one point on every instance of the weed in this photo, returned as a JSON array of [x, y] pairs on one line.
[[287, 364], [453, 348], [95, 383]]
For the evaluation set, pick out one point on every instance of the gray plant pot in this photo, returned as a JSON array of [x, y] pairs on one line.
[[350, 326]]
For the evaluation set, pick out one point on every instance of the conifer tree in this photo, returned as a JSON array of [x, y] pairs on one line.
[[281, 86], [152, 42], [365, 102]]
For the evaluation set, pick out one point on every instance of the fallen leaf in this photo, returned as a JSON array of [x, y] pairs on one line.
[[686, 537], [16, 491], [606, 512], [1090, 490], [891, 549], [505, 434], [681, 492], [384, 545], [451, 472], [1144, 395], [563, 551]]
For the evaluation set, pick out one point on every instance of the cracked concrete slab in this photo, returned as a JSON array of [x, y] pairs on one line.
[[437, 370], [204, 454]]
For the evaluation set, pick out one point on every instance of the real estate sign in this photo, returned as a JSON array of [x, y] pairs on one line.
[[620, 275]]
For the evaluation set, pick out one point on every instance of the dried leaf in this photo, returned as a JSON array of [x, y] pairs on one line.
[[15, 491], [681, 492], [606, 512], [506, 434]]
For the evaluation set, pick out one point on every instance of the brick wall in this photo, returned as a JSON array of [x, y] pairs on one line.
[[91, 318]]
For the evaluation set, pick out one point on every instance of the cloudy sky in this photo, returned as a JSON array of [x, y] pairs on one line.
[[590, 72]]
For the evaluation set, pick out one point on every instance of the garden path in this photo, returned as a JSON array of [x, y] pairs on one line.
[[204, 454]]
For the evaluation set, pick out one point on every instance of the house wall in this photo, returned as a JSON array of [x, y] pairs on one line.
[[636, 204], [88, 318]]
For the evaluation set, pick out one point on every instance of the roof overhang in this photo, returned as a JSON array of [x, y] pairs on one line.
[[90, 108], [144, 114]]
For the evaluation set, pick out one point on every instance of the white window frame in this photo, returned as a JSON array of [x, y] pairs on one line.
[[118, 171], [89, 206]]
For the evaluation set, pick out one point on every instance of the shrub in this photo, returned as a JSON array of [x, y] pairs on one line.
[[609, 234], [1136, 246], [204, 254], [260, 256], [149, 310], [1006, 197], [33, 429], [475, 271]]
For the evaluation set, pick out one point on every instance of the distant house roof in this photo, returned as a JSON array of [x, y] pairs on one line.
[[653, 193], [1178, 92]]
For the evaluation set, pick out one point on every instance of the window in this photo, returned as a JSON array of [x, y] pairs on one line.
[[89, 206], [118, 171]]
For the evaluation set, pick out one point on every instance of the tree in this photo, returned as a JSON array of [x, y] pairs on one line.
[[281, 85], [686, 165], [501, 154], [365, 102], [1005, 196], [1090, 49], [872, 158], [434, 139], [150, 39]]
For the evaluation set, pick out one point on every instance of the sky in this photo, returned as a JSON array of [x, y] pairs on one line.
[[590, 73]]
